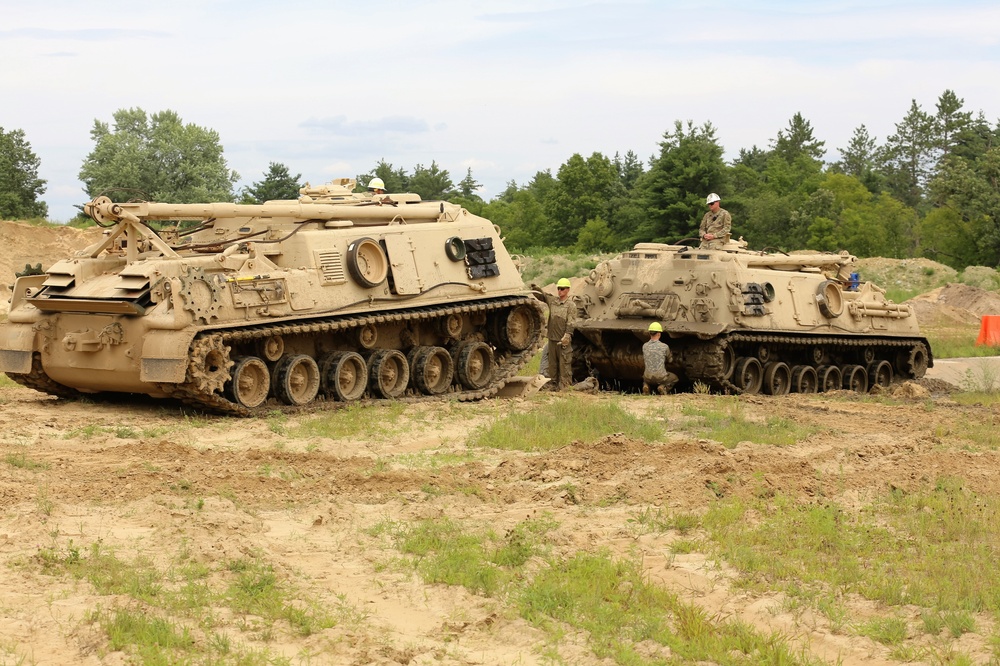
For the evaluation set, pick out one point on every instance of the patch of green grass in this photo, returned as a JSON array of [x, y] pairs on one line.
[[252, 596], [20, 460], [532, 367], [957, 343], [120, 431], [972, 434], [7, 382], [657, 520], [612, 602], [546, 265], [258, 592], [354, 421], [608, 599], [730, 426], [932, 548], [885, 630], [561, 421]]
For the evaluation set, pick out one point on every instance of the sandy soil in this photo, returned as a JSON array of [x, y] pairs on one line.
[[144, 479]]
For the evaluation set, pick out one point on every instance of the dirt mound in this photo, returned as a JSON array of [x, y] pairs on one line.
[[959, 303], [909, 275], [29, 244]]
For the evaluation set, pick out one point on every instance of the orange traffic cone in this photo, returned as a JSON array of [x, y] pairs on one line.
[[989, 331]]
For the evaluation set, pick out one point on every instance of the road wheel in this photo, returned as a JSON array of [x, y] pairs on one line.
[[433, 370], [748, 375], [367, 262], [880, 373], [388, 373], [829, 378], [250, 383], [296, 379], [474, 364], [344, 375], [804, 379], [777, 378], [856, 378]]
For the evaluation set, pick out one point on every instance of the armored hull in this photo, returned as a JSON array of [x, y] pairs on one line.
[[334, 296], [743, 321]]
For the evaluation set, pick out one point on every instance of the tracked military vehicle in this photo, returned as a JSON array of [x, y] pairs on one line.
[[334, 296], [743, 321]]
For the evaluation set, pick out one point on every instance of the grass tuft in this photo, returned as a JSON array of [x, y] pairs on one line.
[[562, 421]]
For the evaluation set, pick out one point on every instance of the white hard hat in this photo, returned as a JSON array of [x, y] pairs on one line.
[[376, 183], [712, 198]]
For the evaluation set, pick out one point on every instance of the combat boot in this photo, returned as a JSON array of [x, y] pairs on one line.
[[661, 389], [645, 388]]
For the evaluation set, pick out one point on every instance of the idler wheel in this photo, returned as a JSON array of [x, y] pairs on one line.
[[518, 328]]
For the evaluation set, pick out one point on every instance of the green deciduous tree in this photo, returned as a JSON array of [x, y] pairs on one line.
[[20, 185], [970, 232], [158, 157], [278, 183], [520, 215]]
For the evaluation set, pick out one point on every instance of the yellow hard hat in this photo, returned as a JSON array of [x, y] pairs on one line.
[[376, 184], [563, 282], [655, 327]]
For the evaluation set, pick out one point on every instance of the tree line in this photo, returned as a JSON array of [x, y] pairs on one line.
[[931, 189]]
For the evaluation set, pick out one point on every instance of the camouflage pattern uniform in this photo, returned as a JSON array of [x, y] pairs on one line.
[[562, 317], [656, 355], [719, 224]]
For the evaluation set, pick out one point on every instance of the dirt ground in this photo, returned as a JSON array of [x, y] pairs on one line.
[[145, 479]]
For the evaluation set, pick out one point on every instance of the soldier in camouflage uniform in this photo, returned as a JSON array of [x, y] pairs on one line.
[[716, 224], [656, 355], [562, 317]]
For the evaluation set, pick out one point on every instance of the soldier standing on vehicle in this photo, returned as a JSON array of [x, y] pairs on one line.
[[562, 317], [716, 224], [656, 355]]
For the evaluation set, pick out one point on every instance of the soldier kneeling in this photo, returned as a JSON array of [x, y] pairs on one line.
[[656, 355]]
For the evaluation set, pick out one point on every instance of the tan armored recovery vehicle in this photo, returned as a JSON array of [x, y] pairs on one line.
[[335, 295], [743, 321]]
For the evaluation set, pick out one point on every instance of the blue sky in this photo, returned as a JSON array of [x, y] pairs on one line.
[[507, 88]]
